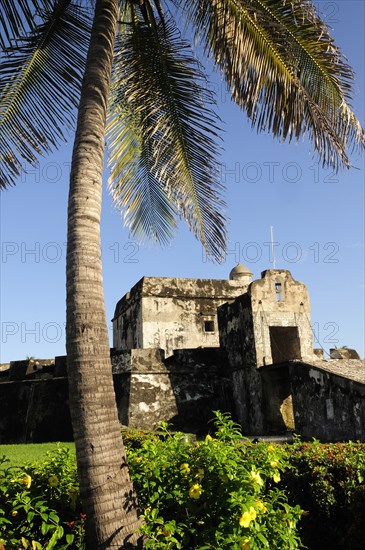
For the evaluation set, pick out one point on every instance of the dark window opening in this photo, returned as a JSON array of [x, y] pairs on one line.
[[209, 326], [285, 344], [279, 291]]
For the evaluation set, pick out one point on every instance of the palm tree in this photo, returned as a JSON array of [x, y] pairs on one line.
[[132, 66]]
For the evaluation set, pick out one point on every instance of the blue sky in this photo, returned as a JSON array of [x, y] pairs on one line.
[[317, 216]]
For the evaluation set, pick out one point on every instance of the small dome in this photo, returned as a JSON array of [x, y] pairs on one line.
[[240, 272]]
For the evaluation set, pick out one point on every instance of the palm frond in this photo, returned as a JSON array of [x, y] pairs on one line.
[[283, 69], [18, 17], [161, 83], [40, 81], [148, 210]]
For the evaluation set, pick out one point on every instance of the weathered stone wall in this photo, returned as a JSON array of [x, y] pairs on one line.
[[35, 410], [181, 390], [326, 405], [175, 323], [236, 333], [238, 349], [316, 399], [127, 321], [173, 313], [322, 399]]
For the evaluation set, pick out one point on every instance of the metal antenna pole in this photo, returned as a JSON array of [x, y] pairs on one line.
[[272, 245]]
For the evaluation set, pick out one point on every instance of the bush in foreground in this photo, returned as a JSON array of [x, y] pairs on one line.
[[39, 504], [220, 493], [216, 494], [328, 480]]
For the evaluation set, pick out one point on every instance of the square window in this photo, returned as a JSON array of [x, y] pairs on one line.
[[209, 326]]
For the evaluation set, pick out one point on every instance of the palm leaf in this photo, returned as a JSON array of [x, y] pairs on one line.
[[283, 68], [148, 211], [17, 17], [40, 77], [159, 82]]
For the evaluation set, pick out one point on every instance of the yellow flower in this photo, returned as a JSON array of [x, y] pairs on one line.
[[271, 448], [273, 464], [276, 477], [245, 520], [247, 517], [256, 478], [291, 524], [252, 513], [53, 480], [185, 468], [14, 513], [200, 474], [195, 491], [245, 544], [208, 438], [261, 506], [27, 480]]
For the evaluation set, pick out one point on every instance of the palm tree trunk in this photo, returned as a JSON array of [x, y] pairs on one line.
[[106, 489]]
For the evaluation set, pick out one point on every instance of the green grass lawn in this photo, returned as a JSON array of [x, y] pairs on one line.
[[31, 452]]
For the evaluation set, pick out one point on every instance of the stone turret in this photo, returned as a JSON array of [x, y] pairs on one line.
[[241, 273]]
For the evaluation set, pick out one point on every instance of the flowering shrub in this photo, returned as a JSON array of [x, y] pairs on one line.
[[219, 493], [39, 505], [222, 493], [328, 481]]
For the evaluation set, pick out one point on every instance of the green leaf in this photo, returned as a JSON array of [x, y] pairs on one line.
[[263, 540], [40, 80], [70, 538], [18, 16], [45, 527], [163, 138], [54, 517], [57, 535], [283, 68]]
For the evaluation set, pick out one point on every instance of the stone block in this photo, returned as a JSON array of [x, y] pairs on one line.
[[18, 369], [60, 365]]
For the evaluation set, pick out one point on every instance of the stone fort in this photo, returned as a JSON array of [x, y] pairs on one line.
[[185, 347]]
